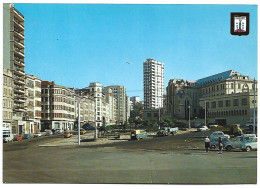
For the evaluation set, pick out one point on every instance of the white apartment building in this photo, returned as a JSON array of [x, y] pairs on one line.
[[32, 115], [13, 60], [119, 93], [153, 83], [8, 100], [112, 105], [87, 109], [128, 107]]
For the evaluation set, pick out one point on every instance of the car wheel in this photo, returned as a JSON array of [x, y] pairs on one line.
[[248, 148], [229, 148], [212, 147]]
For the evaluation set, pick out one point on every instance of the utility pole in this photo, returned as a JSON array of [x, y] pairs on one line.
[[254, 110], [205, 113], [79, 122], [159, 118], [189, 116]]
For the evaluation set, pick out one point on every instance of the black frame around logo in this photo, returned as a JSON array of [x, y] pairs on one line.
[[232, 22]]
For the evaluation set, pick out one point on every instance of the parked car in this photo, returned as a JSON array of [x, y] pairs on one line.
[[203, 128], [89, 127], [214, 137], [57, 131], [7, 136], [82, 131], [138, 134], [67, 134], [244, 142], [17, 137], [162, 133], [48, 133], [218, 134], [250, 144], [37, 135], [214, 142], [27, 136]]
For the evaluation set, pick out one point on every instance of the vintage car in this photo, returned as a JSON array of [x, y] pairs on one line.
[[245, 142], [67, 134], [138, 134]]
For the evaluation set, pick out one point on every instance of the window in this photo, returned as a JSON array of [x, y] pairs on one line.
[[232, 85], [228, 103], [213, 104], [244, 102], [239, 86], [148, 114], [220, 103], [235, 102]]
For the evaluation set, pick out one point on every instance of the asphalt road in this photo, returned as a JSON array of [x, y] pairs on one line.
[[179, 159]]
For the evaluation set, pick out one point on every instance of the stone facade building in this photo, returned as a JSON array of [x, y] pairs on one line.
[[8, 100], [227, 96]]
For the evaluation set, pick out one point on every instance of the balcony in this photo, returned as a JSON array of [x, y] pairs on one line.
[[18, 52], [18, 14], [19, 81], [18, 62], [18, 24], [19, 72], [19, 90], [18, 43], [19, 100], [18, 34]]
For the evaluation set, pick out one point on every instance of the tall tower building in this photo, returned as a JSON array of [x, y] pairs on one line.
[[13, 59], [153, 73]]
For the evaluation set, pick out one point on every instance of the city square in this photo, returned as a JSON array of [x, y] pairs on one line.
[[129, 94]]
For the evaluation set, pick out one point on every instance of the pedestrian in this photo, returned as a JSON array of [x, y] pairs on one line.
[[207, 143], [220, 144]]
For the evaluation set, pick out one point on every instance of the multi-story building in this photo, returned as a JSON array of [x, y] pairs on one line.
[[227, 96], [182, 99], [95, 90], [119, 93], [58, 106], [112, 105], [13, 60], [128, 107], [32, 115], [8, 100], [87, 109], [153, 81]]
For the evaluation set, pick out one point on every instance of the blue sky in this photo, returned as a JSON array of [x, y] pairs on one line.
[[75, 44]]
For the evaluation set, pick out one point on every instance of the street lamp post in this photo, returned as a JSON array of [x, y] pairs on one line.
[[79, 122], [205, 113], [254, 110], [189, 116]]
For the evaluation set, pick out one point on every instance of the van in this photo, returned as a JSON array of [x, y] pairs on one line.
[[138, 134], [7, 136]]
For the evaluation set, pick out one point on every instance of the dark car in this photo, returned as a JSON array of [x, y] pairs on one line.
[[27, 136], [89, 127]]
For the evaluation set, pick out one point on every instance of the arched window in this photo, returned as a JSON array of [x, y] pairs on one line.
[[245, 88]]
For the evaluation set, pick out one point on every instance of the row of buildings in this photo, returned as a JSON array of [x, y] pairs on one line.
[[227, 97], [31, 105]]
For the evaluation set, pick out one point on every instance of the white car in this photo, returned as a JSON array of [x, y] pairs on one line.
[[218, 134], [203, 128], [37, 135]]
